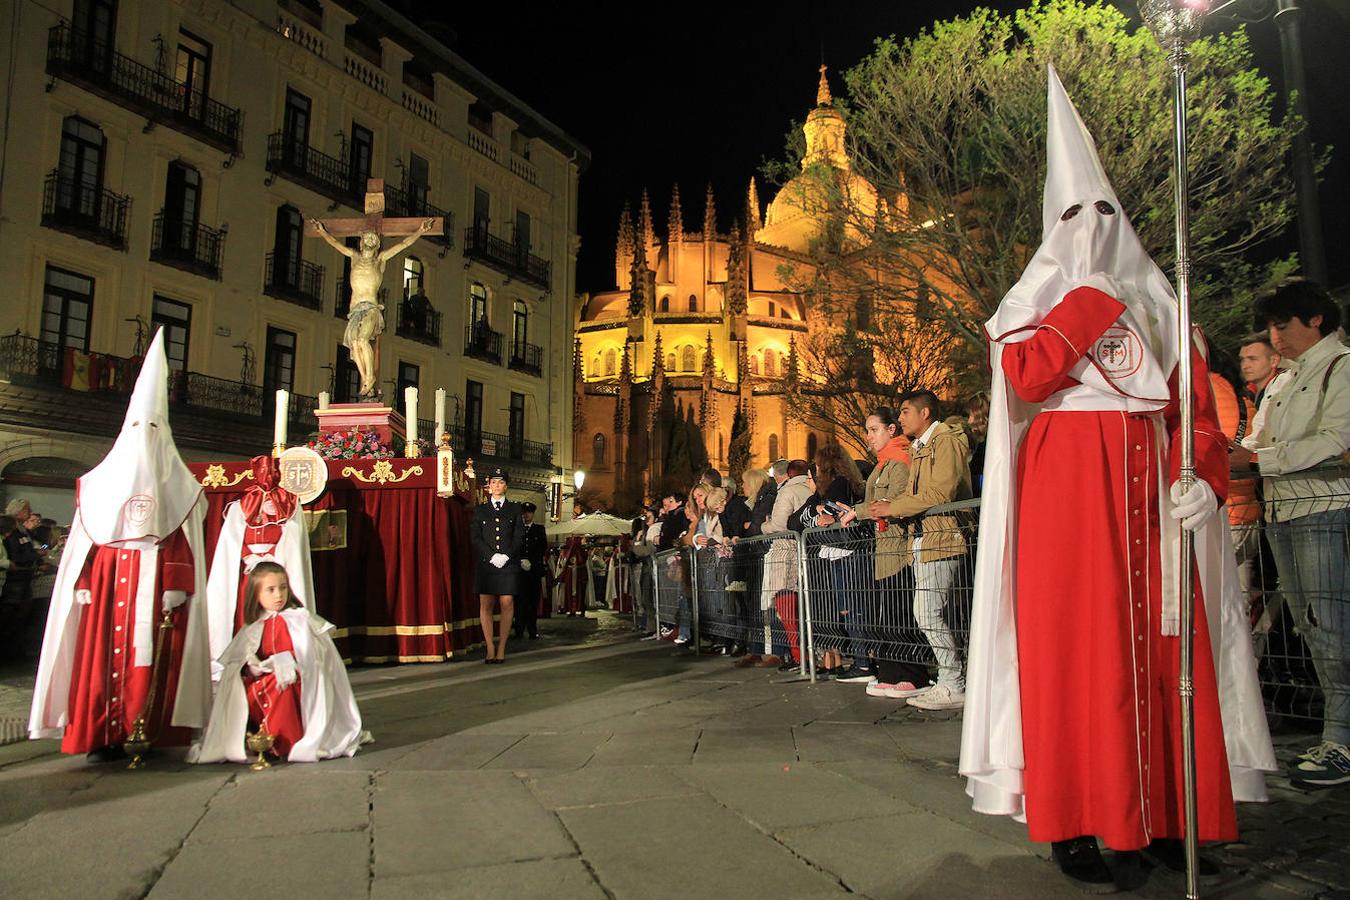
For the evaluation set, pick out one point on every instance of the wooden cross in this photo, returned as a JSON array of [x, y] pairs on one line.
[[374, 219]]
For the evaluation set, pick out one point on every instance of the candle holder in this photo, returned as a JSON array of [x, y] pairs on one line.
[[410, 450], [277, 450]]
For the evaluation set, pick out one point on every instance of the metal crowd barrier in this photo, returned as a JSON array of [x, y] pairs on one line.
[[858, 590]]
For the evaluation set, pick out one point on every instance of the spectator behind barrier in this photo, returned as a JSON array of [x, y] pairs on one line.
[[1307, 508]]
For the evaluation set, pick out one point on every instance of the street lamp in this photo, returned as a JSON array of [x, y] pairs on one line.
[[579, 478], [1176, 24]]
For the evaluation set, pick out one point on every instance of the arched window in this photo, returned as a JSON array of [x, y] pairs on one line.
[[611, 362], [693, 302], [754, 365], [597, 365], [413, 274], [598, 450], [811, 445], [770, 363], [670, 362], [478, 304], [688, 358], [665, 303], [773, 447]]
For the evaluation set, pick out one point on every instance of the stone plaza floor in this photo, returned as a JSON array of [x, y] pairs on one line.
[[591, 765]]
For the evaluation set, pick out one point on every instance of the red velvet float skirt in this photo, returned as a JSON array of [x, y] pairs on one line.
[[1101, 717], [108, 691]]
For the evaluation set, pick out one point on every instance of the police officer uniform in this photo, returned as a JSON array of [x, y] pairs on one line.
[[527, 598], [497, 529]]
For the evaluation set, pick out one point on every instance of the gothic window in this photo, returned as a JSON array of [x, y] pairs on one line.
[[688, 358], [754, 365], [670, 362], [611, 362], [770, 363], [597, 364], [665, 303], [773, 447], [693, 302], [598, 450]]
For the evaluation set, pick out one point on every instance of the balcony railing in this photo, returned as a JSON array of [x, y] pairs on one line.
[[30, 361], [90, 61], [321, 173], [526, 358], [183, 245], [294, 280], [402, 203], [85, 210], [344, 298], [481, 444], [481, 342], [419, 321], [506, 257]]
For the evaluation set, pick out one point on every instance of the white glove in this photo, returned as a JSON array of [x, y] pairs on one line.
[[1195, 506], [255, 666], [283, 667], [525, 565], [499, 559], [84, 597], [174, 599]]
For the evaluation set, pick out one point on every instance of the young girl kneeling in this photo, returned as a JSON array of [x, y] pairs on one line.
[[281, 674]]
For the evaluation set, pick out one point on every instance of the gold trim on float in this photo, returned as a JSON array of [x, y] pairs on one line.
[[386, 630], [215, 477], [402, 659], [382, 473]]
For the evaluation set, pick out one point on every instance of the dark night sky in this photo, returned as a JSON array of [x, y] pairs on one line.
[[699, 93]]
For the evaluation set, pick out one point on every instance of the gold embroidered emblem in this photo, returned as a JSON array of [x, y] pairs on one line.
[[382, 473], [215, 477]]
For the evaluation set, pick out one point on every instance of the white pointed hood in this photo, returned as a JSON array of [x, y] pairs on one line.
[[1094, 246], [142, 489]]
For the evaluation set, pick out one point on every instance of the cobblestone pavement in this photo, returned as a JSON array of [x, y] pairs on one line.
[[594, 766]]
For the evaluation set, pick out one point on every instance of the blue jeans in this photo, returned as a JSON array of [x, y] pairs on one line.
[[1310, 558]]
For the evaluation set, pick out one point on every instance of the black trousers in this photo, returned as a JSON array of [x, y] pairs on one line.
[[526, 619]]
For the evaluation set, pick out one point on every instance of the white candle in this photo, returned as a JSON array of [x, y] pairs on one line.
[[410, 401], [440, 415], [283, 417], [323, 399]]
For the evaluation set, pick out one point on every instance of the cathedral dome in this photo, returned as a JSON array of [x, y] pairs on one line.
[[798, 212]]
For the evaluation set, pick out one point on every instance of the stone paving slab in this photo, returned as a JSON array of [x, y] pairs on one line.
[[653, 746], [827, 742], [549, 751], [458, 751], [544, 879], [608, 786], [688, 847], [722, 745], [282, 802], [428, 822], [775, 797], [331, 866]]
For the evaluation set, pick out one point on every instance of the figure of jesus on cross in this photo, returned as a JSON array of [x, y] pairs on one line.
[[365, 321]]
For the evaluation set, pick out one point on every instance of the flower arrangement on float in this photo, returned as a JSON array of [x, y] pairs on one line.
[[356, 444]]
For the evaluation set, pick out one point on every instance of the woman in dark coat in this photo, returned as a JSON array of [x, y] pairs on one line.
[[498, 534]]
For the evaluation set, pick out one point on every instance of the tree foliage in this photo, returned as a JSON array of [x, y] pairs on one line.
[[949, 126]]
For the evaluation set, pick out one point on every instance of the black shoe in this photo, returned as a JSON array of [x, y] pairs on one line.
[[737, 650], [1081, 862], [534, 635], [1170, 853], [789, 666], [855, 675], [110, 753]]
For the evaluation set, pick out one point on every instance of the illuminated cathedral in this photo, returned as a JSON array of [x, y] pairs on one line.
[[703, 325]]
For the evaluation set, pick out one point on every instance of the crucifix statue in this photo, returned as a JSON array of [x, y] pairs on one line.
[[365, 321]]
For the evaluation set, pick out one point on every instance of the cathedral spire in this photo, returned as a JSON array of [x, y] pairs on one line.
[[646, 233], [823, 97], [675, 228], [752, 219], [709, 362], [637, 286], [623, 247], [737, 287], [658, 360], [709, 217]]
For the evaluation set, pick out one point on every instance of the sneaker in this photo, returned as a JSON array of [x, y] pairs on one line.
[[939, 696], [1331, 769], [680, 641], [879, 689], [855, 675], [1313, 754], [899, 691], [649, 637], [789, 665]]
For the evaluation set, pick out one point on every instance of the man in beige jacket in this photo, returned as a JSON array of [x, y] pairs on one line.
[[939, 472]]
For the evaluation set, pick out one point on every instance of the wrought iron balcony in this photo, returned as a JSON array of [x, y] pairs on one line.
[[526, 358], [321, 173], [104, 381], [183, 245], [506, 257], [294, 280], [481, 342], [344, 298], [403, 203], [85, 210], [91, 62], [418, 320], [491, 445]]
